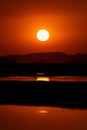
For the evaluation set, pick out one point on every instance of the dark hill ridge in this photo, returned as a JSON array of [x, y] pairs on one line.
[[51, 57]]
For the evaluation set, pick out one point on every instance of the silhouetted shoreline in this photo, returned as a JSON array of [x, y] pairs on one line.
[[64, 94], [47, 69]]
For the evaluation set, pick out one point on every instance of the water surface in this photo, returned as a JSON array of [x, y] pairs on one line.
[[45, 78], [14, 117]]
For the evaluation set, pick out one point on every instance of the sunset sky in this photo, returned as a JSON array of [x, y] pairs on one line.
[[66, 21]]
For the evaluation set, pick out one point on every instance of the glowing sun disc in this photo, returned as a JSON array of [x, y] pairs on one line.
[[43, 35]]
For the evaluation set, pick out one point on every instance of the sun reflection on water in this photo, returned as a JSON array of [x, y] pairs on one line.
[[43, 112], [42, 79]]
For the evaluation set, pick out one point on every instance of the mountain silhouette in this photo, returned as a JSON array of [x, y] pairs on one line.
[[51, 57]]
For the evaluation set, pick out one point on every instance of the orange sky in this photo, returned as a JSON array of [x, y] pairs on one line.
[[21, 19]]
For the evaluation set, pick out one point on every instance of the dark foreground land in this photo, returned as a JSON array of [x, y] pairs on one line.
[[47, 69], [64, 94]]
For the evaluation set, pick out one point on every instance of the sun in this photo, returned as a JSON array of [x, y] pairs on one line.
[[43, 35]]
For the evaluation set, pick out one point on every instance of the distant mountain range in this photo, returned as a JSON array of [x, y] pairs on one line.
[[51, 57]]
